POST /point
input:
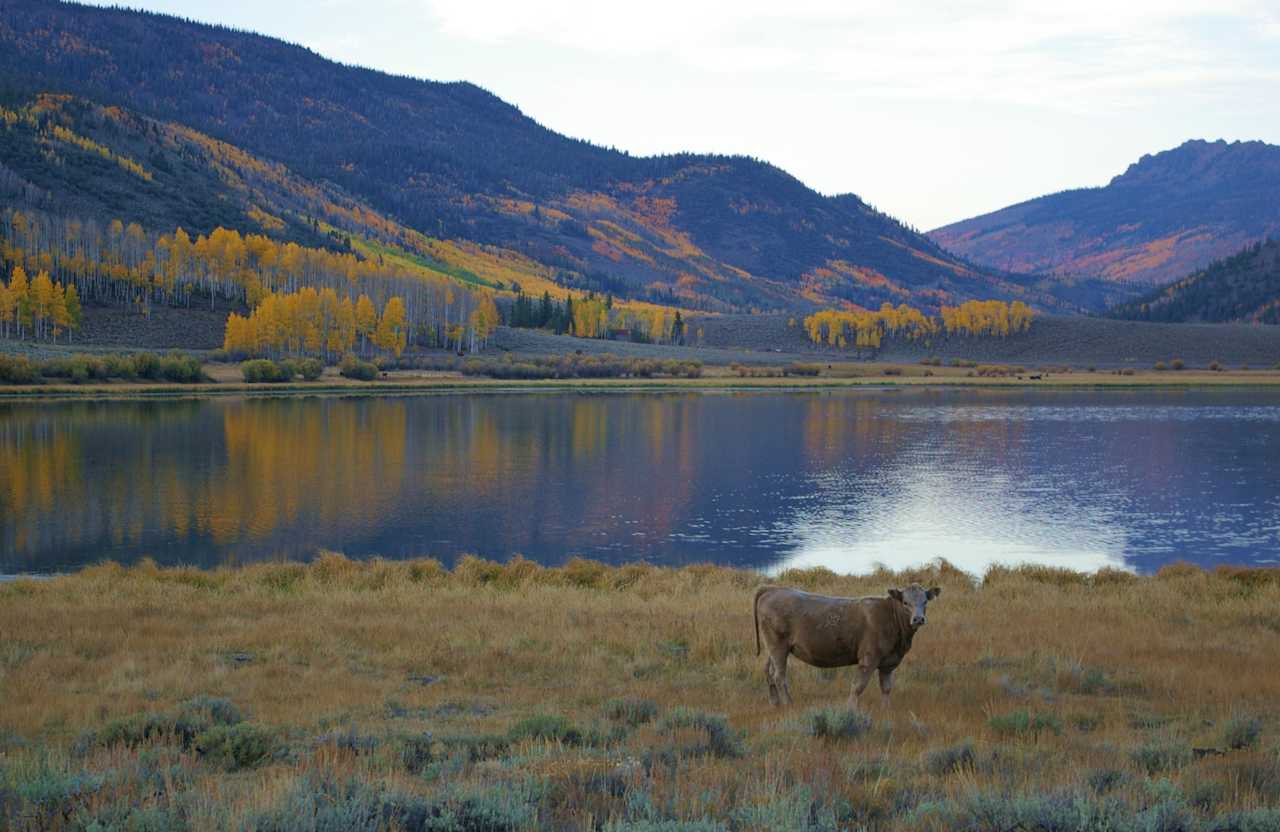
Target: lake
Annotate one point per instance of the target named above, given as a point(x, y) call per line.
point(847, 479)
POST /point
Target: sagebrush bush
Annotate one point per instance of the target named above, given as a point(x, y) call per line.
point(265, 371)
point(550, 727)
point(79, 369)
point(629, 711)
point(1242, 731)
point(353, 368)
point(235, 747)
point(942, 761)
point(310, 368)
point(1161, 755)
point(837, 723)
point(717, 738)
point(18, 370)
point(1024, 722)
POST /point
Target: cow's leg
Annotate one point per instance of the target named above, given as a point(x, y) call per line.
point(778, 656)
point(773, 686)
point(886, 685)
point(862, 678)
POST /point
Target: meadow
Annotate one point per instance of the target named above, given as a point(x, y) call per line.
point(401, 695)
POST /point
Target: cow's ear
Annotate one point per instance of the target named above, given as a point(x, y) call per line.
point(933, 592)
point(896, 594)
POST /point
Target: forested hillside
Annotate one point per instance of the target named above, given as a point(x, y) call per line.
point(1166, 216)
point(1244, 287)
point(448, 161)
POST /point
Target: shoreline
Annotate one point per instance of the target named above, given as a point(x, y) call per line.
point(1240, 380)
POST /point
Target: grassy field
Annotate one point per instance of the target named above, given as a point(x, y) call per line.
point(396, 695)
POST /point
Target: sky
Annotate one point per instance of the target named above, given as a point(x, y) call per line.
point(931, 111)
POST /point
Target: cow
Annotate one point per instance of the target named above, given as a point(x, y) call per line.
point(873, 633)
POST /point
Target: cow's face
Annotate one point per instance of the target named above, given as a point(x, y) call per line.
point(916, 598)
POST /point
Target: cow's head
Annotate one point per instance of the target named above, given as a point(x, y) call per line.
point(916, 598)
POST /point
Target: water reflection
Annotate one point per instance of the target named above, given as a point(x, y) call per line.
point(844, 480)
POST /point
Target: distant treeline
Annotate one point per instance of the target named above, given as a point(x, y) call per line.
point(866, 330)
point(1244, 287)
point(593, 316)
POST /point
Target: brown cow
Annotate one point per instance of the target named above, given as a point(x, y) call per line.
point(826, 631)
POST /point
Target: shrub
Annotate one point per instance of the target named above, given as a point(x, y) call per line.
point(50, 790)
point(837, 723)
point(181, 727)
point(18, 370)
point(123, 367)
point(892, 371)
point(633, 712)
point(236, 747)
point(354, 368)
point(943, 761)
point(265, 371)
point(1161, 366)
point(1103, 780)
point(184, 369)
point(1160, 756)
point(545, 727)
point(802, 369)
point(1178, 364)
point(309, 369)
point(1216, 366)
point(1022, 722)
point(718, 740)
point(1242, 731)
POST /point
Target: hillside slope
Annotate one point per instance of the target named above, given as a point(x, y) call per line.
point(453, 161)
point(1244, 288)
point(1164, 217)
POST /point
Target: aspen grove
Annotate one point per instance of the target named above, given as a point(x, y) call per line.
point(124, 265)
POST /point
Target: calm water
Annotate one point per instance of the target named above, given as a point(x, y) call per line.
point(847, 479)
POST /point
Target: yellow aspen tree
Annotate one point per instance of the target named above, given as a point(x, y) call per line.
point(366, 320)
point(343, 337)
point(41, 301)
point(58, 311)
point(20, 288)
point(8, 310)
point(74, 312)
point(393, 328)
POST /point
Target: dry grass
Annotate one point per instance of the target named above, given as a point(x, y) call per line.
point(396, 694)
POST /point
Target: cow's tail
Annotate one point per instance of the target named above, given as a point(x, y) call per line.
point(755, 612)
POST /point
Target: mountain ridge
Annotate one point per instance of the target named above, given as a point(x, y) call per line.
point(1164, 216)
point(1243, 288)
point(711, 232)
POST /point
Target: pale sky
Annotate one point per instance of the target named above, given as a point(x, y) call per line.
point(932, 111)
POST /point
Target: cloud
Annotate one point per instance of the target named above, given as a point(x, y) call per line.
point(1044, 54)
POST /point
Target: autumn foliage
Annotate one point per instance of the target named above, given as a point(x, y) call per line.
point(865, 330)
point(40, 308)
point(325, 325)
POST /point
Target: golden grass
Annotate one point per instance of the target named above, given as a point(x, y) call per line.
point(1032, 681)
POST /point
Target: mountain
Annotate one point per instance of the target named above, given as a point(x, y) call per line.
point(1242, 288)
point(453, 162)
point(1166, 216)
